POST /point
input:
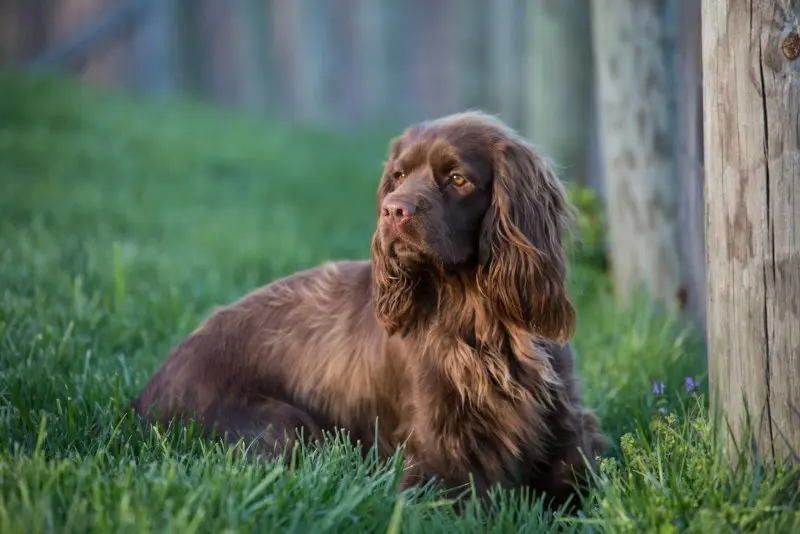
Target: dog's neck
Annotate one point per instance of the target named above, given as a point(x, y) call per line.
point(453, 329)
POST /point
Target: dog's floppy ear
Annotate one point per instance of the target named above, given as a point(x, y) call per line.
point(520, 250)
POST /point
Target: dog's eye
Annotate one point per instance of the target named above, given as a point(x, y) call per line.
point(457, 179)
point(399, 175)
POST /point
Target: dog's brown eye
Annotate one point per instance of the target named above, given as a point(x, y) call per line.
point(457, 179)
point(398, 175)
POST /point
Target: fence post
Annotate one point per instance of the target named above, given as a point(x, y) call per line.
point(751, 76)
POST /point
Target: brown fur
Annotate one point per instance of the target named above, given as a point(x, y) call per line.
point(454, 335)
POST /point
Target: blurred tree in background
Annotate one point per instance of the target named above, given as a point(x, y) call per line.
point(344, 63)
point(634, 50)
point(560, 77)
point(604, 88)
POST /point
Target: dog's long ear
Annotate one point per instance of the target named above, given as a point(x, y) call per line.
point(521, 251)
point(392, 286)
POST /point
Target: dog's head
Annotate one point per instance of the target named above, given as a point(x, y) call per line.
point(465, 194)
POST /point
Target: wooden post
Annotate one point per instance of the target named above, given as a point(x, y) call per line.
point(474, 40)
point(23, 32)
point(370, 59)
point(300, 38)
point(252, 27)
point(90, 37)
point(633, 48)
point(355, 62)
point(558, 96)
point(503, 75)
point(751, 98)
point(152, 48)
point(434, 78)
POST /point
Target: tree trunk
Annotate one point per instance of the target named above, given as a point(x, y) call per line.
point(632, 44)
point(751, 71)
point(559, 82)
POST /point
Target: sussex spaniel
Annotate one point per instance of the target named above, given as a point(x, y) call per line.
point(453, 337)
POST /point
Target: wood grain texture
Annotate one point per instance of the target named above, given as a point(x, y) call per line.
point(633, 48)
point(752, 196)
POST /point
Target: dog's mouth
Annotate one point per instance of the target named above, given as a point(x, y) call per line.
point(403, 251)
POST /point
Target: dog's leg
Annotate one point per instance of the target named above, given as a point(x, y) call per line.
point(570, 471)
point(268, 427)
point(211, 378)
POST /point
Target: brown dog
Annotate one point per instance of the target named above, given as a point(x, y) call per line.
point(454, 335)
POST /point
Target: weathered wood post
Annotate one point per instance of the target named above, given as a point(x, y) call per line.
point(633, 56)
point(559, 72)
point(751, 96)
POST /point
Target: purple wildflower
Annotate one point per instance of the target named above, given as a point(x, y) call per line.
point(658, 388)
point(691, 384)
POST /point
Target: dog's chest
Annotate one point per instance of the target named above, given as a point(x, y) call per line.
point(472, 409)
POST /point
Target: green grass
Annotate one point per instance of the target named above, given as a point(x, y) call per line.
point(125, 222)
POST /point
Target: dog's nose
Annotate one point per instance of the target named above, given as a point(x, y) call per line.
point(397, 211)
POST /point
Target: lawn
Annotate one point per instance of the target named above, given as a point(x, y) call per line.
point(125, 222)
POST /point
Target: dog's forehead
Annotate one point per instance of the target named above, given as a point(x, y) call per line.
point(463, 133)
point(439, 143)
